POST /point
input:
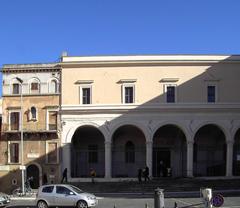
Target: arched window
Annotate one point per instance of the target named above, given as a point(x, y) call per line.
point(33, 113)
point(53, 86)
point(15, 87)
point(35, 86)
point(129, 152)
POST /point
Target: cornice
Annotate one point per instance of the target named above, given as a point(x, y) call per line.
point(153, 108)
point(16, 68)
point(147, 60)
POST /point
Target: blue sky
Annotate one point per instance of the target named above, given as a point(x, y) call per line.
point(33, 31)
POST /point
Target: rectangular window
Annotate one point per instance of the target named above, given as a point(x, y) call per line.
point(14, 152)
point(92, 154)
point(15, 88)
point(86, 95)
point(52, 153)
point(170, 94)
point(14, 120)
point(128, 94)
point(211, 90)
point(52, 120)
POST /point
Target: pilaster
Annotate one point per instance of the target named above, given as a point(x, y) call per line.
point(149, 151)
point(229, 162)
point(108, 159)
point(189, 158)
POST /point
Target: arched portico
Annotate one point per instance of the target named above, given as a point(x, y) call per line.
point(128, 151)
point(87, 152)
point(236, 154)
point(169, 151)
point(209, 157)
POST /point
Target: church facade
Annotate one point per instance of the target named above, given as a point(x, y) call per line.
point(178, 115)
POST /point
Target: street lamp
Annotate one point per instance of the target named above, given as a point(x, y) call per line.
point(22, 162)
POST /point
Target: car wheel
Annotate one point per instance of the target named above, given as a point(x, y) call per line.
point(82, 204)
point(42, 204)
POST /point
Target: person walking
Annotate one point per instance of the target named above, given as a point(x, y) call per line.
point(140, 175)
point(146, 174)
point(64, 176)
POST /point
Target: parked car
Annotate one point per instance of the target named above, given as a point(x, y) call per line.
point(64, 195)
point(4, 199)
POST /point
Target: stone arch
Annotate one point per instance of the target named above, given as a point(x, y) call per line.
point(169, 156)
point(126, 162)
point(209, 158)
point(138, 125)
point(72, 130)
point(87, 149)
point(174, 123)
point(217, 124)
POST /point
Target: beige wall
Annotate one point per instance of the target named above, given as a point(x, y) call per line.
point(39, 102)
point(193, 79)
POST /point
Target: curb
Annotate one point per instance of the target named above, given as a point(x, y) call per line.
point(147, 194)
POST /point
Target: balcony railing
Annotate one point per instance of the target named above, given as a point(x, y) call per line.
point(31, 127)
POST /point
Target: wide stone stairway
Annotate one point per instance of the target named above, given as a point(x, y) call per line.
point(168, 184)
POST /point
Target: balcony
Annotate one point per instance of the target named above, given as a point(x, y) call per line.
point(31, 127)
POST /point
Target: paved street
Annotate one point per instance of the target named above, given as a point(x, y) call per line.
point(139, 202)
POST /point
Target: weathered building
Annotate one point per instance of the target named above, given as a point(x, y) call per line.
point(30, 106)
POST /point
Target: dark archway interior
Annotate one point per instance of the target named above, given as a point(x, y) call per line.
point(33, 172)
point(169, 152)
point(209, 152)
point(236, 154)
point(128, 151)
point(87, 152)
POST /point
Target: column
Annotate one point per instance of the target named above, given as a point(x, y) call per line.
point(66, 159)
point(108, 160)
point(189, 158)
point(149, 156)
point(229, 158)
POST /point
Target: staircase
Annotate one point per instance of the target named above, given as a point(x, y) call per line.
point(168, 184)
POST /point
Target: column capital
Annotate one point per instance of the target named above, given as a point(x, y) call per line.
point(190, 142)
point(149, 142)
point(107, 142)
point(230, 142)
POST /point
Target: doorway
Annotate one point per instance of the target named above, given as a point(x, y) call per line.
point(33, 171)
point(161, 161)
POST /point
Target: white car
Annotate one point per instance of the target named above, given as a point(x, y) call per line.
point(64, 195)
point(4, 200)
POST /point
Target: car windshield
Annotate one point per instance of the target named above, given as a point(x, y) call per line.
point(77, 189)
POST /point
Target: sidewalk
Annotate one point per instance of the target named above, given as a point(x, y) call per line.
point(177, 194)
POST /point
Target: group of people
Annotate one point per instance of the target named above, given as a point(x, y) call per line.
point(143, 173)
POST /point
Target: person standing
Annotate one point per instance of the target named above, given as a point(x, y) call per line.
point(161, 168)
point(93, 174)
point(45, 180)
point(64, 176)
